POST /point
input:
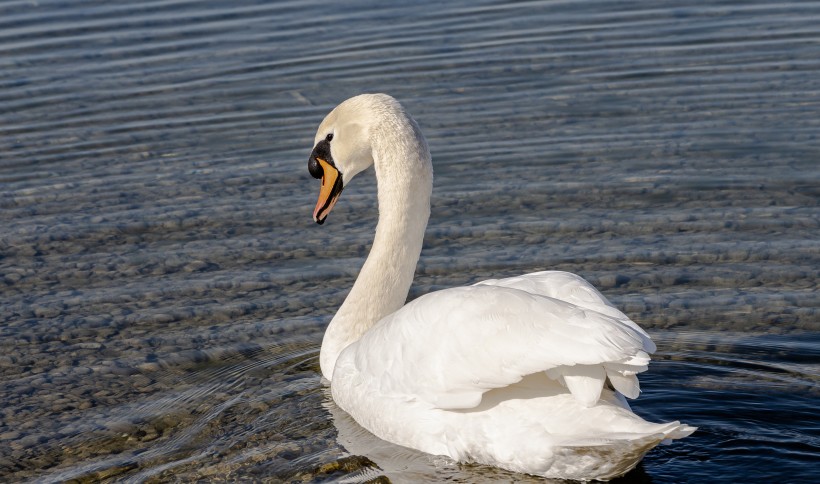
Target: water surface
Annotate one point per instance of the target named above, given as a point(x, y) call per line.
point(164, 289)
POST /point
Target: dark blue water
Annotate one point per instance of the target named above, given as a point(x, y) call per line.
point(163, 289)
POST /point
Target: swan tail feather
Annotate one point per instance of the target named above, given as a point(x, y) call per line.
point(677, 430)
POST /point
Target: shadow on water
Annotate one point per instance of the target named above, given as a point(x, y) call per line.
point(163, 290)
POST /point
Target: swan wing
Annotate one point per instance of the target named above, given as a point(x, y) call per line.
point(573, 289)
point(449, 347)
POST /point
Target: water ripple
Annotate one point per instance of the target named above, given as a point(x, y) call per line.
point(164, 289)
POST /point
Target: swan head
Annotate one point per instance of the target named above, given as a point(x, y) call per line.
point(342, 147)
point(367, 130)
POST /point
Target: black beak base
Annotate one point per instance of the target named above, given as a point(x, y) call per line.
point(321, 150)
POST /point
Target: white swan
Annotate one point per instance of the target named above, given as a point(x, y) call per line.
point(525, 373)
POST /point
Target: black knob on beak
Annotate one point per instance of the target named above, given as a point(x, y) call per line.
point(320, 152)
point(315, 168)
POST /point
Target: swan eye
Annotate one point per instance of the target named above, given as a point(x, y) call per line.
point(329, 137)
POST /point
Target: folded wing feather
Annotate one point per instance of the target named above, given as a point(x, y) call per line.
point(449, 347)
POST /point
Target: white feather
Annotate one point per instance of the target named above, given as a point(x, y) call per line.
point(508, 372)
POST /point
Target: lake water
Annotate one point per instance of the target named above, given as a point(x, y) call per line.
point(164, 289)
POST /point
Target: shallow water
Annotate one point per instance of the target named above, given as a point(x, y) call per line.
point(164, 289)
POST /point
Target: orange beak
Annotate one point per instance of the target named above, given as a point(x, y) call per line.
point(330, 191)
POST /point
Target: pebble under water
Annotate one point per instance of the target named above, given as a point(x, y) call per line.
point(164, 290)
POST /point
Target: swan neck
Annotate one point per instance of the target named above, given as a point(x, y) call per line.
point(405, 179)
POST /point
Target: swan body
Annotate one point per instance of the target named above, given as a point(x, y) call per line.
point(527, 373)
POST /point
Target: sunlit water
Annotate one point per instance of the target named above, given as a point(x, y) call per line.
point(164, 289)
